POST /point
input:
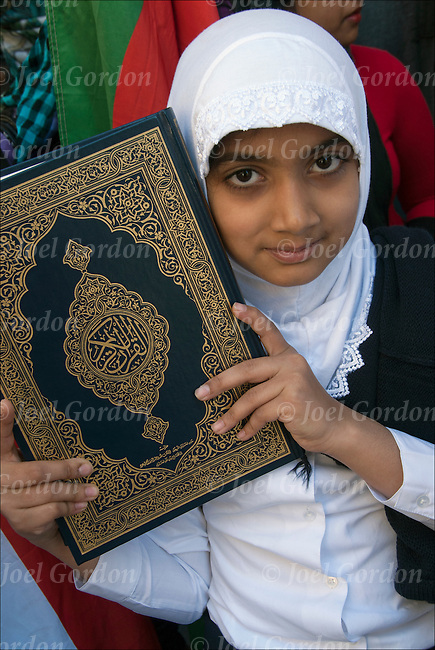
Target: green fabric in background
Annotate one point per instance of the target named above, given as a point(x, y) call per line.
point(88, 40)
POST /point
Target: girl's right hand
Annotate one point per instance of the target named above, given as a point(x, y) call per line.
point(35, 493)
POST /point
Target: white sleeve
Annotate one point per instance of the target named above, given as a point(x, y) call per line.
point(164, 573)
point(415, 497)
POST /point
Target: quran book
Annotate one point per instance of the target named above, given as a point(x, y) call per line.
point(116, 295)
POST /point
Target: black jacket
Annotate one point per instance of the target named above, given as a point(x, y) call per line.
point(396, 384)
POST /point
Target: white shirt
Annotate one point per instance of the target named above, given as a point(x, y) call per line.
point(283, 565)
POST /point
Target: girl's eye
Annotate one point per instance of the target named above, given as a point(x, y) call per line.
point(244, 177)
point(329, 163)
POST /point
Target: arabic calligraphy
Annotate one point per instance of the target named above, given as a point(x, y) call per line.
point(117, 344)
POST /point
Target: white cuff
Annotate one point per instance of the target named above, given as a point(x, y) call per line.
point(415, 497)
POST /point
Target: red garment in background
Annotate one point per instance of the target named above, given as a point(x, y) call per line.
point(163, 31)
point(406, 127)
point(92, 623)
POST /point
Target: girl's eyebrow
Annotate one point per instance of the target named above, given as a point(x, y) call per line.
point(231, 156)
point(331, 143)
point(237, 153)
point(246, 160)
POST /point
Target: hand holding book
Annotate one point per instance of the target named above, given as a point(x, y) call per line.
point(115, 273)
point(36, 493)
point(284, 388)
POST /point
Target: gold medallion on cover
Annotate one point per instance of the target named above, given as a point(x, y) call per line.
point(116, 343)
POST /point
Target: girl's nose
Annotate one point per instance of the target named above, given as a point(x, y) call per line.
point(293, 209)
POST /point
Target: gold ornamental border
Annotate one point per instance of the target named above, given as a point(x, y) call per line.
point(134, 187)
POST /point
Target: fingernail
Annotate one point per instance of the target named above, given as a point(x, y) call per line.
point(85, 469)
point(239, 307)
point(78, 507)
point(4, 412)
point(202, 391)
point(217, 426)
point(91, 491)
point(242, 434)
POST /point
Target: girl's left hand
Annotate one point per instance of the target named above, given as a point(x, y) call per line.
point(285, 389)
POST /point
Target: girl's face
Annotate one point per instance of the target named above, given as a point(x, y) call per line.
point(284, 199)
point(340, 18)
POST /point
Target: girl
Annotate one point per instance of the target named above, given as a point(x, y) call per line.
point(274, 116)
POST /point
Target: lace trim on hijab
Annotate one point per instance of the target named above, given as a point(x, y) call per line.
point(351, 358)
point(272, 105)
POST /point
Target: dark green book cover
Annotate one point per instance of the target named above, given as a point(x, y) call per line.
point(116, 297)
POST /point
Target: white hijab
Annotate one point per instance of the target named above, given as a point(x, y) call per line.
point(265, 68)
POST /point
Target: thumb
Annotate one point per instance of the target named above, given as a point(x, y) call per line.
point(8, 450)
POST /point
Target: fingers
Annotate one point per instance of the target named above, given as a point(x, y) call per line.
point(40, 520)
point(25, 485)
point(8, 449)
point(270, 375)
point(261, 416)
point(53, 500)
point(276, 380)
point(39, 474)
point(261, 403)
point(43, 471)
point(258, 403)
point(252, 371)
point(52, 493)
point(36, 493)
point(269, 334)
point(32, 500)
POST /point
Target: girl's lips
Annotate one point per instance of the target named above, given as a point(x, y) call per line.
point(293, 256)
point(355, 17)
